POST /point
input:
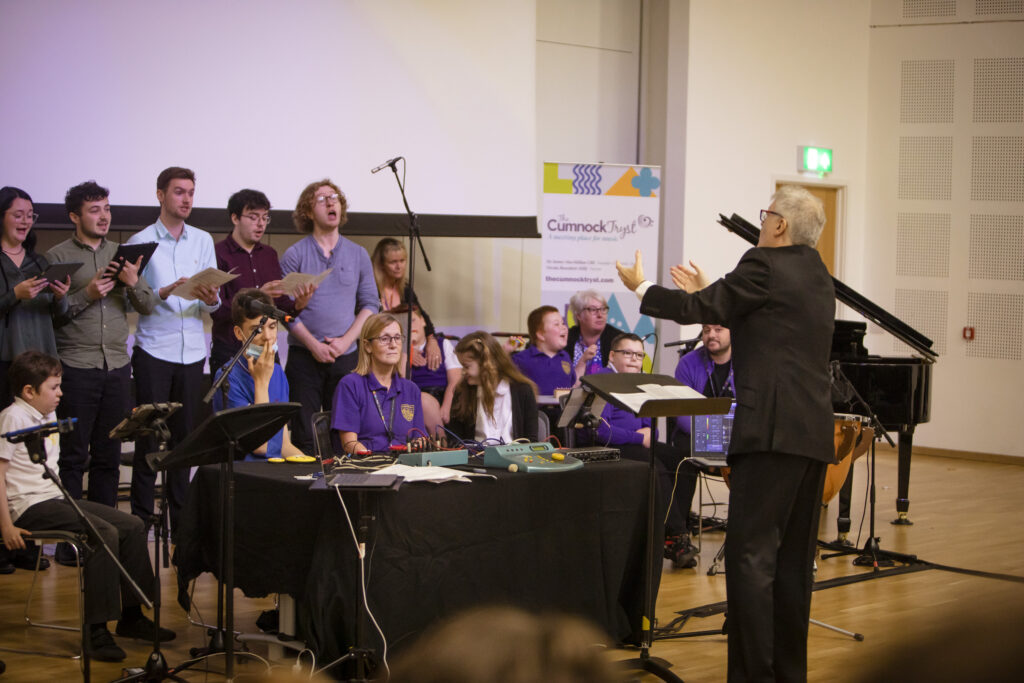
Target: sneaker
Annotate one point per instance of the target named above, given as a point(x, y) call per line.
point(102, 647)
point(65, 554)
point(141, 628)
point(684, 555)
point(671, 541)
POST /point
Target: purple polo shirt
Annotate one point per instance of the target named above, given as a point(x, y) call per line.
point(356, 411)
point(348, 289)
point(254, 269)
point(547, 372)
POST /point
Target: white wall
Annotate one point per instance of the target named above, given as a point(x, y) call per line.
point(273, 95)
point(973, 407)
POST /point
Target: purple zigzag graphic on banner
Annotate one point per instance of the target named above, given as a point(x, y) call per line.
point(586, 179)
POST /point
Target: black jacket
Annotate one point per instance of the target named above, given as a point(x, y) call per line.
point(607, 335)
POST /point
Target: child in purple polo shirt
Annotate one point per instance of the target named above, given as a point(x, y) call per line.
point(545, 360)
point(437, 387)
point(374, 408)
point(620, 427)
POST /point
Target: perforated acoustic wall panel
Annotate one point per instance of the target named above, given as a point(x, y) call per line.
point(999, 90)
point(926, 167)
point(926, 311)
point(926, 91)
point(997, 247)
point(922, 244)
point(997, 168)
point(998, 7)
point(918, 9)
point(998, 320)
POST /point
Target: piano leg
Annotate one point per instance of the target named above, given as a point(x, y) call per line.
point(905, 440)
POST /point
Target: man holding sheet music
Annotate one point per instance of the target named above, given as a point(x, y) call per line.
point(170, 344)
point(779, 304)
point(256, 265)
point(323, 341)
point(92, 341)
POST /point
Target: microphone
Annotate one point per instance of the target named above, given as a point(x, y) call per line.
point(254, 307)
point(389, 162)
point(60, 426)
point(648, 336)
point(681, 342)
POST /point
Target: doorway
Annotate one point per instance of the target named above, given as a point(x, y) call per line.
point(829, 196)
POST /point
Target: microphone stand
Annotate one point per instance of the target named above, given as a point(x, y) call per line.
point(871, 555)
point(414, 239)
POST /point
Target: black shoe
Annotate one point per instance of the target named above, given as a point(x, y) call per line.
point(26, 559)
point(141, 628)
point(6, 566)
point(102, 647)
point(671, 541)
point(65, 554)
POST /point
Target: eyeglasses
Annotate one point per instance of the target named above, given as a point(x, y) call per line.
point(321, 198)
point(389, 339)
point(20, 216)
point(258, 219)
point(766, 212)
point(637, 355)
point(594, 310)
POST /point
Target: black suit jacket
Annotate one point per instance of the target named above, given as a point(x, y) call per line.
point(779, 305)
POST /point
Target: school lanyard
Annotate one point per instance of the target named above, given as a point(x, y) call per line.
point(380, 411)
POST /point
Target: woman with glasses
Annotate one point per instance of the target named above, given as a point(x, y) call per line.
point(374, 408)
point(27, 304)
point(494, 401)
point(617, 427)
point(590, 339)
point(390, 260)
point(27, 301)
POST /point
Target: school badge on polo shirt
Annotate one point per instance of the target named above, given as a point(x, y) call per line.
point(408, 411)
point(565, 366)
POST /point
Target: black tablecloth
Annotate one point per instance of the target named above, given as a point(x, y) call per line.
point(570, 541)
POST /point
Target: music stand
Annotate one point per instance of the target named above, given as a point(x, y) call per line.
point(665, 397)
point(223, 438)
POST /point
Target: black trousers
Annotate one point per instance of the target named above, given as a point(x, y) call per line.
point(159, 381)
point(99, 398)
point(774, 506)
point(106, 593)
point(312, 384)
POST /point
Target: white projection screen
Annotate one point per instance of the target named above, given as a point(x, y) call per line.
point(272, 95)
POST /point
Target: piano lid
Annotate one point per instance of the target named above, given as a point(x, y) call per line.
point(867, 308)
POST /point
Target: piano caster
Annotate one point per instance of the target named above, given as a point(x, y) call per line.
point(902, 519)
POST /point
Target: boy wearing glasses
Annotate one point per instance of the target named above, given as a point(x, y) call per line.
point(322, 342)
point(257, 378)
point(255, 263)
point(621, 428)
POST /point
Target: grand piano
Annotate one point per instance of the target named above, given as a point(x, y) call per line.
point(898, 389)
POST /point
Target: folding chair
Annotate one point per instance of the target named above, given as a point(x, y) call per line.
point(77, 543)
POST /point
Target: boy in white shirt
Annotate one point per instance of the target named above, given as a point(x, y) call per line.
point(35, 503)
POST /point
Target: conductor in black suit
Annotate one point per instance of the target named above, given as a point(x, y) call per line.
point(779, 304)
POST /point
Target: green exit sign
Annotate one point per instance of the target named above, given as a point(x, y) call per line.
point(814, 160)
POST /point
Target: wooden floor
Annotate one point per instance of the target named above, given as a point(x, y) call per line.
point(966, 514)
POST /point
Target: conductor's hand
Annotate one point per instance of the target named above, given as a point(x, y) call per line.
point(631, 276)
point(690, 279)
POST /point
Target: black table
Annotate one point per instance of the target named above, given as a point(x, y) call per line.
point(570, 542)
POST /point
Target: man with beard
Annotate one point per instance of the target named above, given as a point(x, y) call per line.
point(322, 342)
point(170, 343)
point(92, 343)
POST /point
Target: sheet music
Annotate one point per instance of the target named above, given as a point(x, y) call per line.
point(211, 276)
point(426, 473)
point(635, 400)
point(291, 282)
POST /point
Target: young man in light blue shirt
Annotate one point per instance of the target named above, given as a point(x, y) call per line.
point(323, 341)
point(170, 345)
